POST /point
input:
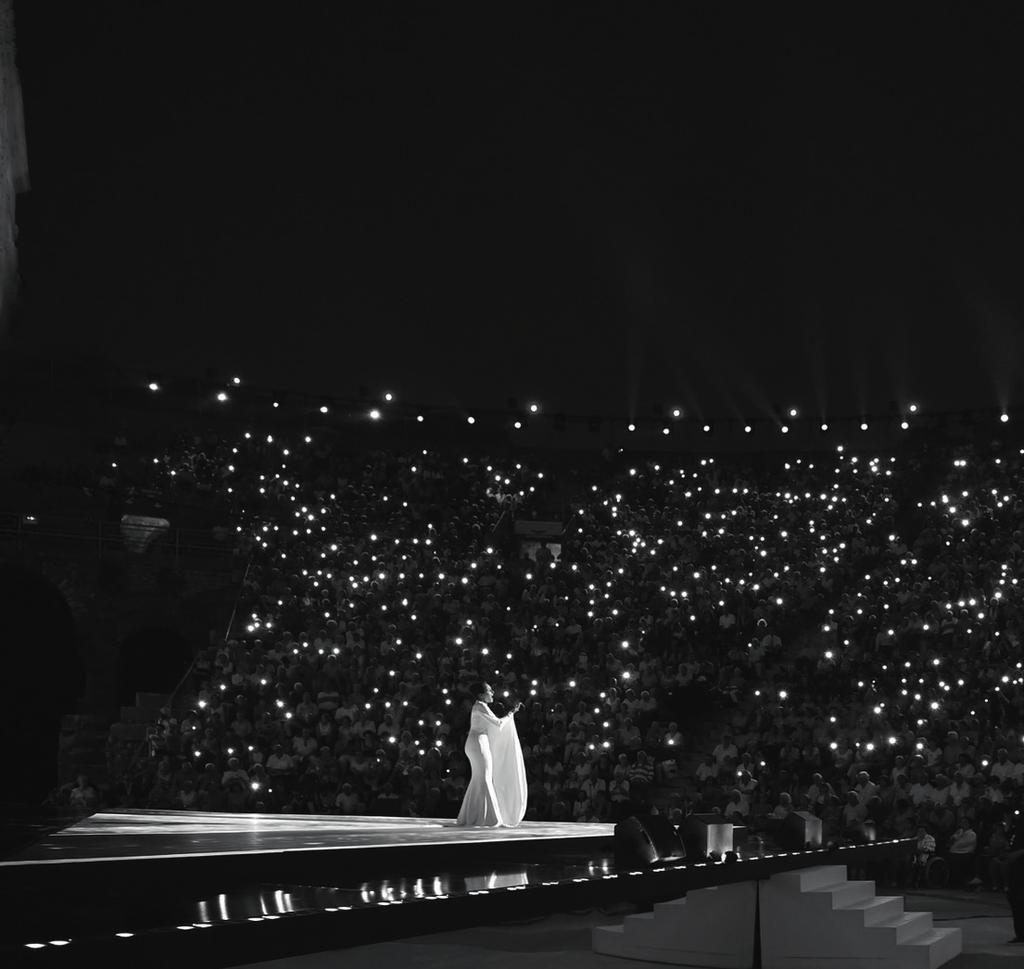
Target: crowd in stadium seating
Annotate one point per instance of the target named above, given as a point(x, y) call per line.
point(854, 621)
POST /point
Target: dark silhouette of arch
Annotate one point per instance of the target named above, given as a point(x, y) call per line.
point(45, 677)
point(152, 659)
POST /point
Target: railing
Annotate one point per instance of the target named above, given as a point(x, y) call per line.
point(30, 530)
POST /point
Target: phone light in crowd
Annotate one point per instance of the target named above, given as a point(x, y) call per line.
point(1004, 417)
point(374, 414)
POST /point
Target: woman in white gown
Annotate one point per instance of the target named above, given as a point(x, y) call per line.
point(496, 795)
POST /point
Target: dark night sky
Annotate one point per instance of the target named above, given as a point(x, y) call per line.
point(600, 205)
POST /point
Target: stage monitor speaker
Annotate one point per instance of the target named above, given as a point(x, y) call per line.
point(800, 830)
point(707, 834)
point(666, 839)
point(634, 846)
point(641, 841)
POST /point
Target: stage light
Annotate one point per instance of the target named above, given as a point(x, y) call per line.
point(374, 414)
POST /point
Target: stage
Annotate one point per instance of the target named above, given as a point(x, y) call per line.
point(167, 887)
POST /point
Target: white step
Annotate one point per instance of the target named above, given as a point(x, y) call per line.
point(610, 940)
point(931, 950)
point(848, 893)
point(908, 927)
point(808, 879)
point(709, 927)
point(881, 908)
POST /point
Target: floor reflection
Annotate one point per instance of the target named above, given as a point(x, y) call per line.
point(172, 905)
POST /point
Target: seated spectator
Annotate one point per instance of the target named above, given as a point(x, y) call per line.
point(962, 850)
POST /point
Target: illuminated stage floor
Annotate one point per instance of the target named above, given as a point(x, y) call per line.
point(137, 835)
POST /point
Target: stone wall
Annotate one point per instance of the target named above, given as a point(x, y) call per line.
point(13, 159)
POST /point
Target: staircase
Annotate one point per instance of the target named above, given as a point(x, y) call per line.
point(815, 916)
point(84, 738)
point(710, 927)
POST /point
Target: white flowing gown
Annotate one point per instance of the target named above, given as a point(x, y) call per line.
point(496, 795)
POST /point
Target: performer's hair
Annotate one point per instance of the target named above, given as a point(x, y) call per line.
point(478, 688)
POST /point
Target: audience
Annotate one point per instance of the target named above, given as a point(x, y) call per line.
point(848, 626)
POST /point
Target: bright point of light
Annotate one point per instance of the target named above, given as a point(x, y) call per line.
point(323, 408)
point(222, 397)
point(375, 414)
point(863, 425)
point(154, 386)
point(824, 427)
point(747, 429)
point(793, 412)
point(1004, 417)
point(631, 427)
point(534, 408)
point(676, 412)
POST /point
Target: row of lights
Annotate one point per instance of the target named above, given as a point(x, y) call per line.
point(375, 413)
